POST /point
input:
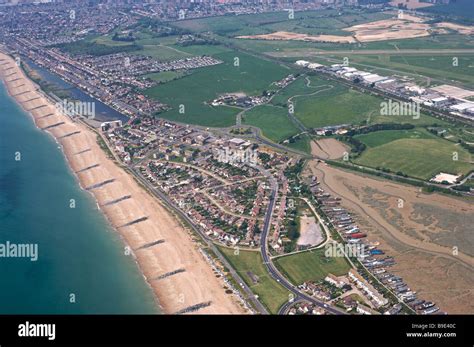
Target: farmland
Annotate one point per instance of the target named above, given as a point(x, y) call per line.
point(249, 265)
point(252, 76)
point(311, 266)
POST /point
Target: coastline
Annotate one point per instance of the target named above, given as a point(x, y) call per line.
point(107, 182)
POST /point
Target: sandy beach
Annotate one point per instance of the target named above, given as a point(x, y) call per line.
point(176, 270)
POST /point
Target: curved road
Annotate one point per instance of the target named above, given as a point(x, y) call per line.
point(273, 271)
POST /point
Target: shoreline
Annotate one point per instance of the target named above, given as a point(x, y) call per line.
point(197, 284)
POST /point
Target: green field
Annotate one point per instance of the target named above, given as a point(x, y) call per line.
point(416, 157)
point(252, 76)
point(302, 143)
point(311, 266)
point(162, 53)
point(326, 102)
point(166, 76)
point(270, 293)
point(272, 120)
point(310, 22)
point(379, 138)
point(334, 104)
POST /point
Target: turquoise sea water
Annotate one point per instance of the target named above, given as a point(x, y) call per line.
point(78, 252)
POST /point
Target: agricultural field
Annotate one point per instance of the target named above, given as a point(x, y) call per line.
point(249, 265)
point(421, 157)
point(311, 266)
point(272, 120)
point(252, 76)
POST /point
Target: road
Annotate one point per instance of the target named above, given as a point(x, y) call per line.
point(272, 270)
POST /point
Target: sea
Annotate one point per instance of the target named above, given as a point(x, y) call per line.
point(81, 264)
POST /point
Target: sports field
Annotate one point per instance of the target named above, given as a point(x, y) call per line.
point(249, 265)
point(272, 120)
point(311, 266)
point(421, 158)
point(252, 76)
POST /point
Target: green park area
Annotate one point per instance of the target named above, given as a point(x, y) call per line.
point(249, 265)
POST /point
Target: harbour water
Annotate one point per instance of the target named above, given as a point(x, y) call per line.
point(81, 266)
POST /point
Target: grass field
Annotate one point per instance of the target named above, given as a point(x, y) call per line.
point(302, 144)
point(421, 158)
point(160, 48)
point(334, 104)
point(162, 53)
point(379, 138)
point(166, 76)
point(270, 293)
point(325, 102)
point(272, 120)
point(311, 266)
point(311, 22)
point(252, 76)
